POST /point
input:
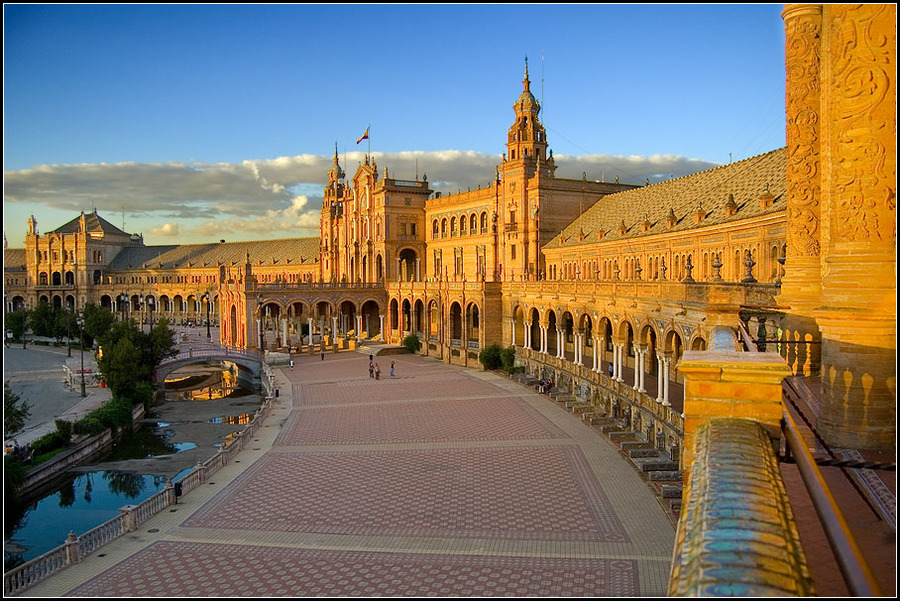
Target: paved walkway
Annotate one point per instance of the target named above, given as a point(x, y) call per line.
point(441, 481)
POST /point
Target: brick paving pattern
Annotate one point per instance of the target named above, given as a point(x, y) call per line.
point(440, 482)
point(190, 569)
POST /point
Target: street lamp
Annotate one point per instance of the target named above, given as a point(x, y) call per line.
point(81, 330)
point(150, 306)
point(260, 322)
point(208, 335)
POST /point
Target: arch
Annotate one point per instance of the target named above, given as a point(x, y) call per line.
point(452, 227)
point(434, 320)
point(648, 338)
point(70, 278)
point(455, 323)
point(418, 316)
point(394, 315)
point(371, 319)
point(552, 335)
point(406, 320)
point(462, 225)
point(42, 279)
point(379, 267)
point(473, 224)
point(435, 229)
point(408, 264)
point(535, 325)
point(444, 227)
point(56, 278)
point(347, 317)
point(473, 323)
point(484, 221)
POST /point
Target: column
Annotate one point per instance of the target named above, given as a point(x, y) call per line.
point(381, 327)
point(284, 335)
point(358, 326)
point(621, 377)
point(659, 379)
point(666, 382)
point(310, 321)
point(512, 323)
point(615, 361)
point(643, 355)
point(638, 355)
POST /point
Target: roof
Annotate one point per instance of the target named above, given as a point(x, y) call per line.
point(93, 223)
point(289, 251)
point(14, 259)
point(708, 191)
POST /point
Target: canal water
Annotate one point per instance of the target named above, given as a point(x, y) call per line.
point(205, 406)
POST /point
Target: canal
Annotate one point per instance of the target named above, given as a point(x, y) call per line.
point(205, 406)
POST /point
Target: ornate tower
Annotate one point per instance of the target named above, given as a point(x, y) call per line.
point(525, 167)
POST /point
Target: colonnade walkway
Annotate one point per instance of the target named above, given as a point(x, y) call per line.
point(439, 481)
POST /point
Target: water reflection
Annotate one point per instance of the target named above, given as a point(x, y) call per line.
point(203, 385)
point(82, 502)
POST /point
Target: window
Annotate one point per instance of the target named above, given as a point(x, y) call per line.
point(412, 229)
point(512, 252)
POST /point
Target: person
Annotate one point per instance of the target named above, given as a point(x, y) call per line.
point(392, 369)
point(323, 353)
point(371, 369)
point(610, 370)
point(377, 372)
point(292, 364)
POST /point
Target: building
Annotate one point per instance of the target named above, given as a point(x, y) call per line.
point(592, 280)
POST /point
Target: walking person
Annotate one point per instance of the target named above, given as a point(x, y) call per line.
point(292, 364)
point(392, 369)
point(377, 372)
point(371, 369)
point(323, 353)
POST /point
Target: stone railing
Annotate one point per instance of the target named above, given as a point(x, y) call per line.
point(610, 397)
point(737, 536)
point(131, 516)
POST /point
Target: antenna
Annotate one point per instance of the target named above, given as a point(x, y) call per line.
point(542, 86)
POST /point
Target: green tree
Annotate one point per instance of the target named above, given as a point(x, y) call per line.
point(97, 322)
point(121, 366)
point(17, 322)
point(412, 344)
point(43, 320)
point(130, 356)
point(66, 324)
point(15, 411)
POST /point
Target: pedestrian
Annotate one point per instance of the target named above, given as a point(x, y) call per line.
point(292, 364)
point(392, 369)
point(371, 369)
point(323, 353)
point(377, 372)
point(610, 370)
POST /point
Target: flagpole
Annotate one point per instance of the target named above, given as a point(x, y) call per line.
point(369, 140)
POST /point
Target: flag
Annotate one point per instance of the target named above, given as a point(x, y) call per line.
point(365, 136)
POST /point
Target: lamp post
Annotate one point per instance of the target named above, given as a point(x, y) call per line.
point(151, 304)
point(69, 334)
point(208, 335)
point(260, 322)
point(81, 331)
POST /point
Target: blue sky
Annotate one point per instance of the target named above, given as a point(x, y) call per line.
point(202, 122)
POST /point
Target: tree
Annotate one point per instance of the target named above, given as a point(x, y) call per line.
point(131, 357)
point(17, 322)
point(14, 412)
point(97, 322)
point(43, 320)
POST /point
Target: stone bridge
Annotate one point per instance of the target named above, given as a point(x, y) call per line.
point(248, 362)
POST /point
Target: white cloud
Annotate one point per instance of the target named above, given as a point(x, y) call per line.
point(253, 198)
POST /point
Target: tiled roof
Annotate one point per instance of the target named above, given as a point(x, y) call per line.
point(14, 259)
point(746, 180)
point(93, 223)
point(289, 251)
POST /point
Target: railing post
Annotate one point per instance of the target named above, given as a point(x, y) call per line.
point(129, 519)
point(73, 552)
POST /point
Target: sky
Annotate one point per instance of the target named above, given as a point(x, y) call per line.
point(197, 123)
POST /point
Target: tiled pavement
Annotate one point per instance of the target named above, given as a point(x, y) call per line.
point(442, 481)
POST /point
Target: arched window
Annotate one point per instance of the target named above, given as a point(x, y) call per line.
point(434, 228)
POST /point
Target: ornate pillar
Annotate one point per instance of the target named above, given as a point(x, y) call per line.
point(666, 361)
point(358, 326)
point(381, 327)
point(857, 312)
point(801, 286)
point(512, 322)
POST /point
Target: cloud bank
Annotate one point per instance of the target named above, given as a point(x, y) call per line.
point(275, 198)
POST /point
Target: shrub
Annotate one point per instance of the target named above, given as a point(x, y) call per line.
point(508, 359)
point(412, 344)
point(490, 356)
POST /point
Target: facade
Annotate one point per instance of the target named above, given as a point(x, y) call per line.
point(796, 247)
